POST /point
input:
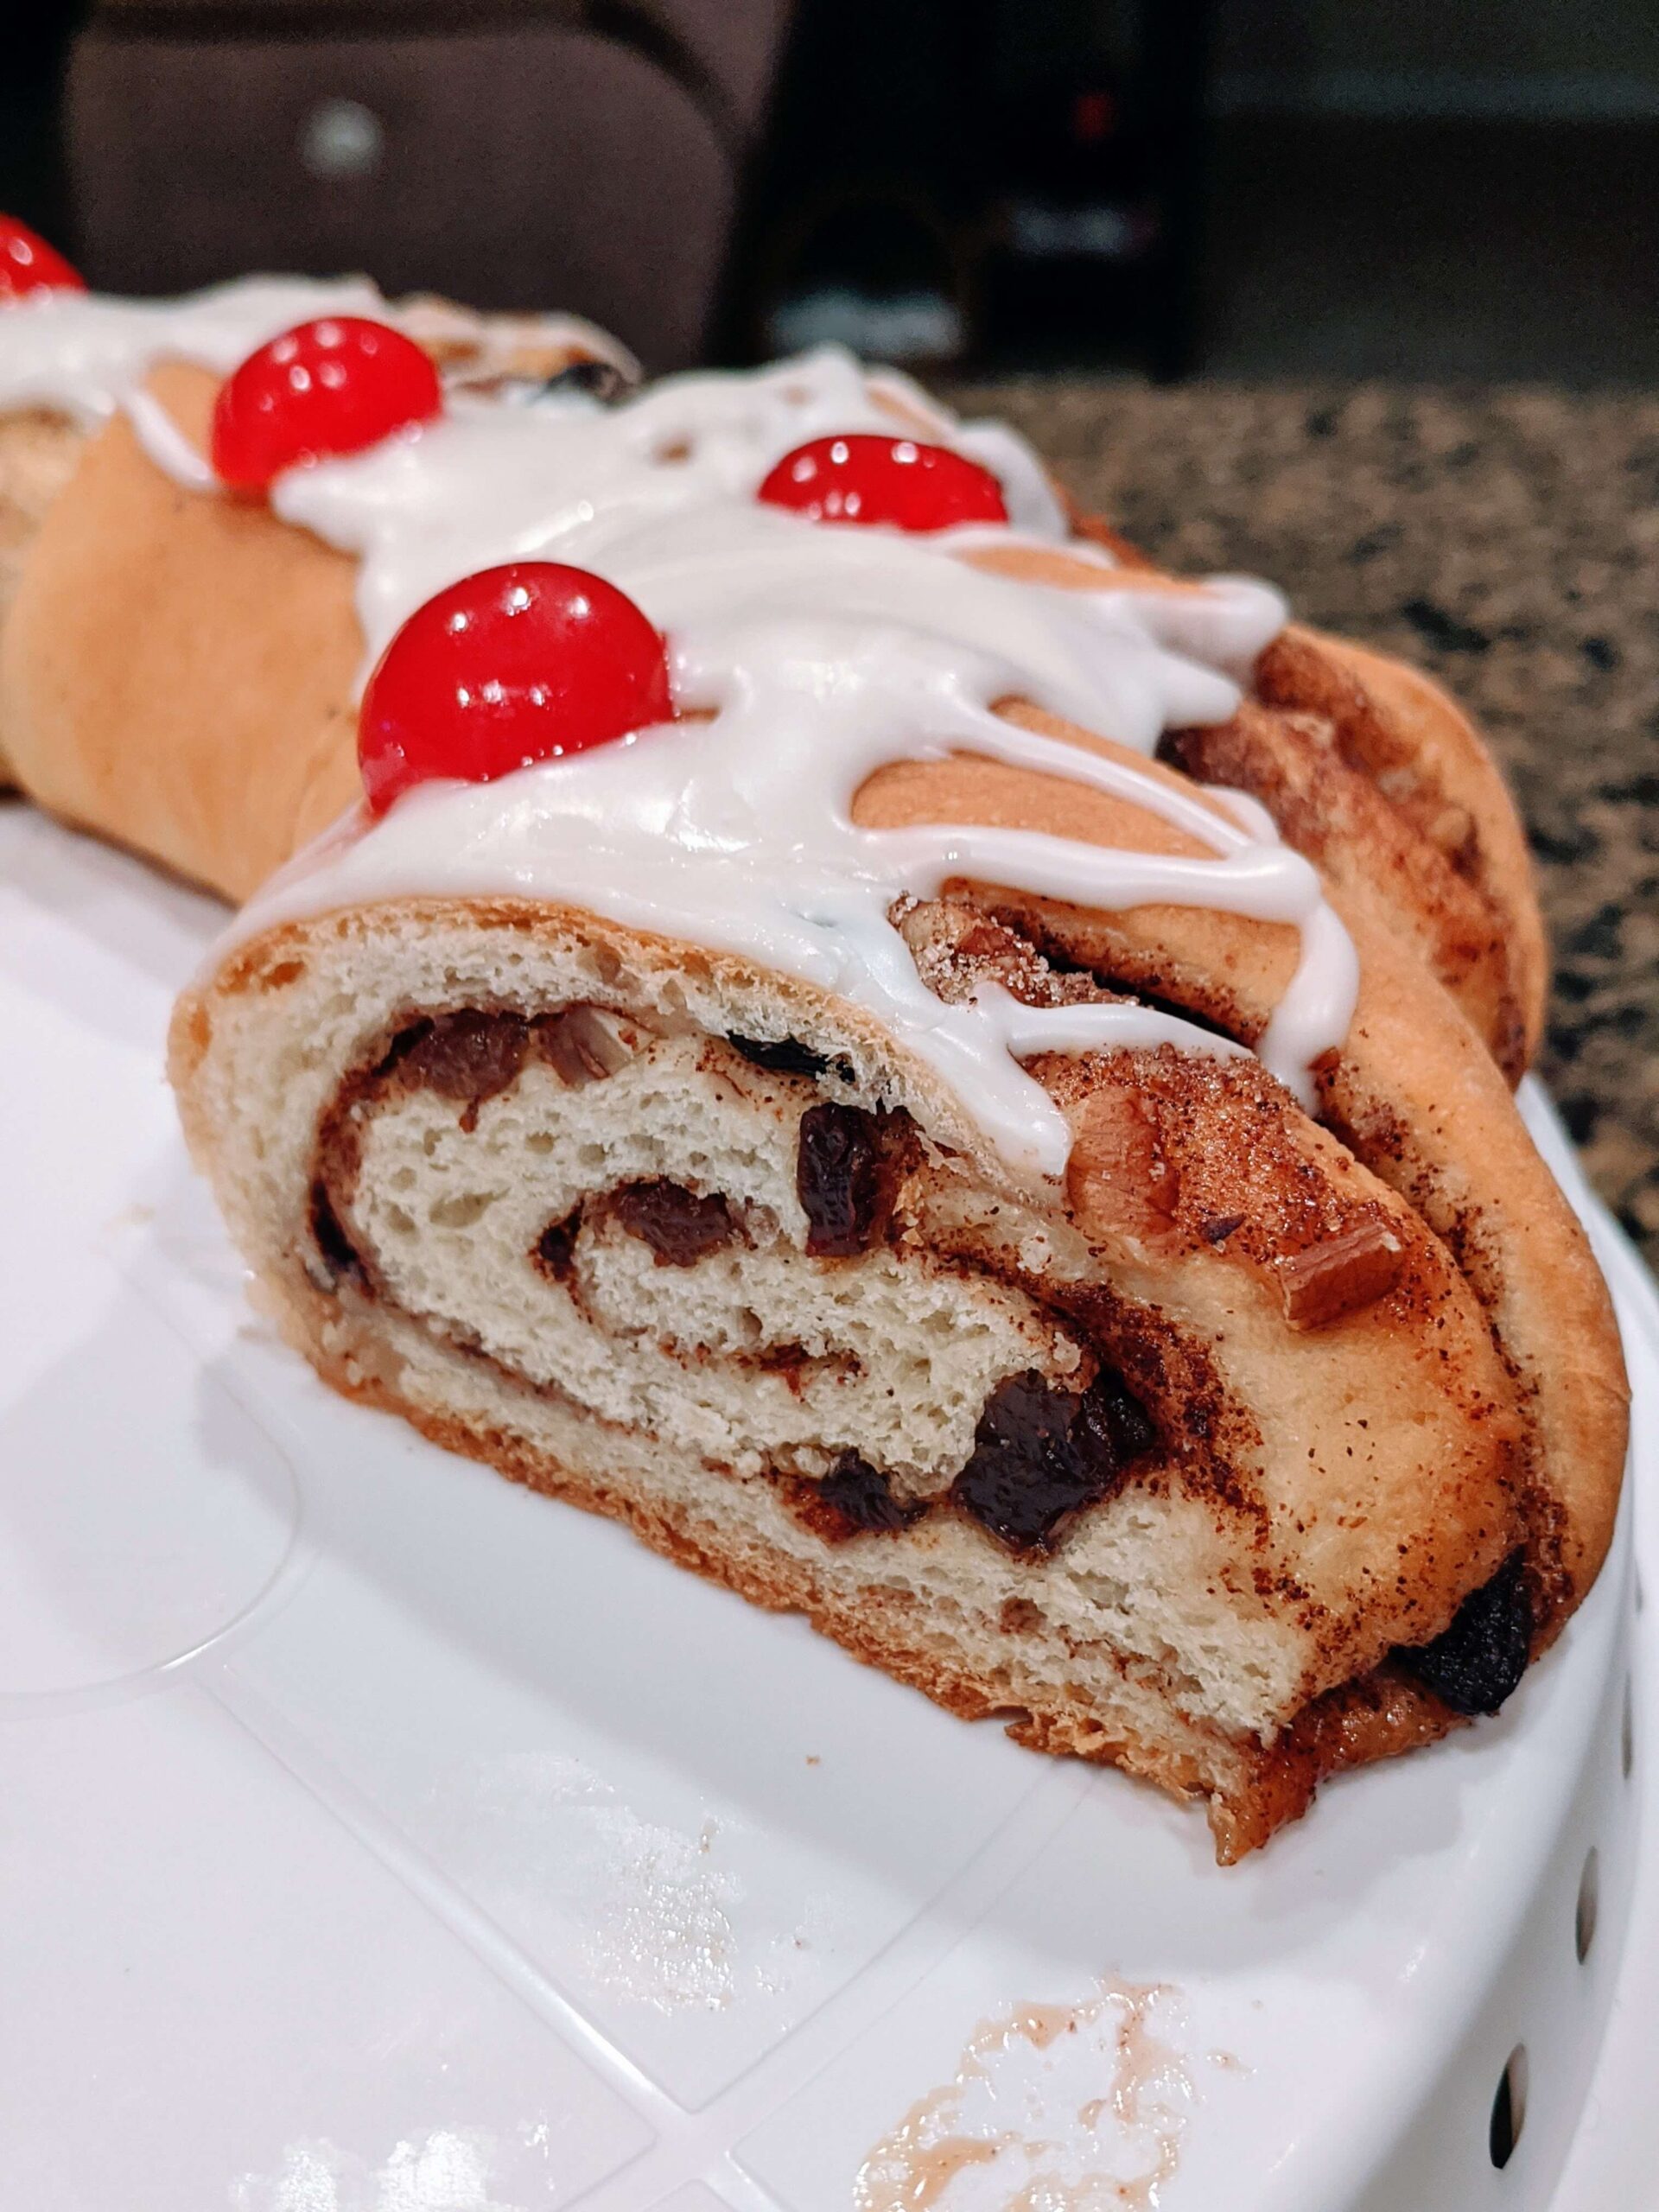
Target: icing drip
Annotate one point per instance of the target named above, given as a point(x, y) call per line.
point(819, 655)
point(657, 495)
point(737, 834)
point(86, 354)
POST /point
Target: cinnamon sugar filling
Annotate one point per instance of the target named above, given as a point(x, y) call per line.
point(1049, 1438)
point(1044, 1446)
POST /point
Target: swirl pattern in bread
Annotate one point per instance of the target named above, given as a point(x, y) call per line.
point(1212, 1462)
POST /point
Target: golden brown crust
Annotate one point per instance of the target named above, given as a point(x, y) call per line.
point(1372, 771)
point(151, 687)
point(39, 454)
point(1251, 1794)
point(1365, 846)
point(1422, 754)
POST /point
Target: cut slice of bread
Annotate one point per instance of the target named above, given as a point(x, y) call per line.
point(1214, 1464)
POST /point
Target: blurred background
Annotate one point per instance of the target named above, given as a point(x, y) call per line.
point(1243, 188)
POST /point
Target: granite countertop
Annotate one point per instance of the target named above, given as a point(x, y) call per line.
point(1508, 543)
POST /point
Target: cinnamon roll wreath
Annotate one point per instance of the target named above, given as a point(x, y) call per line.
point(1265, 1418)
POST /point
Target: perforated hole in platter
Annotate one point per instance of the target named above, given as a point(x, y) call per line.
point(1583, 1922)
point(1509, 2107)
point(1627, 1731)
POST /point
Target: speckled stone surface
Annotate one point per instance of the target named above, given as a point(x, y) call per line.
point(1509, 542)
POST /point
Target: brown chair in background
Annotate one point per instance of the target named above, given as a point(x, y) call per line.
point(583, 157)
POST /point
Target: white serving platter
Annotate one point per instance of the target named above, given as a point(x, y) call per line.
point(377, 1837)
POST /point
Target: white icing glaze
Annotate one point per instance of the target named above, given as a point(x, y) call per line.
point(87, 354)
point(820, 654)
point(165, 443)
point(562, 478)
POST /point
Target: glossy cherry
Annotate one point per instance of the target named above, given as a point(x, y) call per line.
point(513, 665)
point(28, 264)
point(322, 389)
point(862, 477)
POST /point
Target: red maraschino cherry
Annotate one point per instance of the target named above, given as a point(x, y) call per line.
point(861, 476)
point(323, 389)
point(28, 264)
point(513, 665)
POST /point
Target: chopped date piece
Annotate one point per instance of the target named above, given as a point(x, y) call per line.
point(1111, 1409)
point(680, 1227)
point(864, 1496)
point(1041, 1455)
point(331, 1240)
point(471, 1055)
point(841, 1180)
point(782, 1055)
point(854, 1499)
point(1475, 1664)
point(1182, 749)
point(556, 1247)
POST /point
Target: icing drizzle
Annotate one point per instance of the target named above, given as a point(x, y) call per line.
point(817, 655)
point(88, 354)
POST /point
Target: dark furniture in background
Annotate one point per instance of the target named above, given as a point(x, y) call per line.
point(1052, 160)
point(933, 180)
point(584, 156)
